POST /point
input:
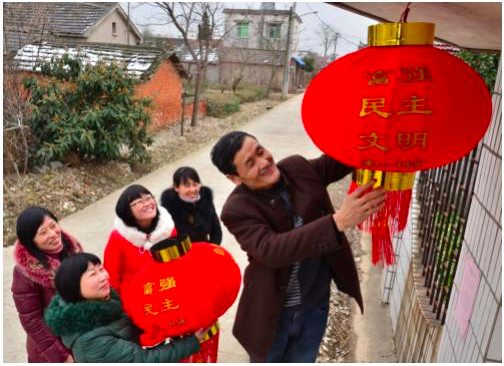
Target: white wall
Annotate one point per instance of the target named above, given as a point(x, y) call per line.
point(103, 32)
point(483, 242)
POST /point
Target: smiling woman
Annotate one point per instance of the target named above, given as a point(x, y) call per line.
point(88, 316)
point(40, 248)
point(140, 223)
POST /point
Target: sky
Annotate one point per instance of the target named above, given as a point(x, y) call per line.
point(352, 27)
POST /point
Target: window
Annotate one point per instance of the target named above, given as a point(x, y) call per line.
point(242, 29)
point(274, 30)
point(114, 29)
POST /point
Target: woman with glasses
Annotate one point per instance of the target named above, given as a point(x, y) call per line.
point(191, 206)
point(41, 246)
point(140, 223)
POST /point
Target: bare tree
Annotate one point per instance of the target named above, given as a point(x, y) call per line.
point(202, 19)
point(23, 24)
point(327, 37)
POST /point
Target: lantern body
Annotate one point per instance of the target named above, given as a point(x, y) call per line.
point(181, 296)
point(397, 108)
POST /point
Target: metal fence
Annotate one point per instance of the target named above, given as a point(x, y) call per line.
point(444, 195)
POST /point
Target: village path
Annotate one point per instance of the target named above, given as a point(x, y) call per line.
point(281, 130)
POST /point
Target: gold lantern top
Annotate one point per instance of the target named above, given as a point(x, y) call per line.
point(397, 34)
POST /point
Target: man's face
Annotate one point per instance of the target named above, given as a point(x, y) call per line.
point(255, 166)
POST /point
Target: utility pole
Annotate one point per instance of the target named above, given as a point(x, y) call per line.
point(285, 85)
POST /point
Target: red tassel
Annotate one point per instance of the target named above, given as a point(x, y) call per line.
point(207, 353)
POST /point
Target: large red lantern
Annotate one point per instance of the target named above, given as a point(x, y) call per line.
point(395, 107)
point(186, 286)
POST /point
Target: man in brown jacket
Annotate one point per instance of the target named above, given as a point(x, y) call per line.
point(282, 216)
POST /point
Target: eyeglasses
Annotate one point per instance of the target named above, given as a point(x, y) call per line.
point(142, 201)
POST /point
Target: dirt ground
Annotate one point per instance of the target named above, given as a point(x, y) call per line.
point(67, 189)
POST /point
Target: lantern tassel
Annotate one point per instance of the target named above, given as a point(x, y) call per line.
point(392, 218)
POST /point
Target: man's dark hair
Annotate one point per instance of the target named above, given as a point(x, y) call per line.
point(225, 149)
point(68, 276)
point(123, 208)
point(27, 225)
point(184, 174)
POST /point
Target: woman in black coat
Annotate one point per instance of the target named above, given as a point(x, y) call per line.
point(191, 206)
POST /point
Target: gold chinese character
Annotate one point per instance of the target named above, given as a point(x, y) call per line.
point(378, 77)
point(168, 305)
point(405, 140)
point(371, 106)
point(148, 288)
point(412, 105)
point(148, 310)
point(414, 74)
point(167, 283)
point(372, 139)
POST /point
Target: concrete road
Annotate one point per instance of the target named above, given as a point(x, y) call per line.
point(280, 129)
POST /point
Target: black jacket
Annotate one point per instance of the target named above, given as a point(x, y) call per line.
point(199, 220)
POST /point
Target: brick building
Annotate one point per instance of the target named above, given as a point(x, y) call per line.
point(160, 73)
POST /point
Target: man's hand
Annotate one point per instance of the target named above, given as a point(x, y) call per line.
point(356, 209)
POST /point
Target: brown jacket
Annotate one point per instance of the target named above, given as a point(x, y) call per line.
point(264, 230)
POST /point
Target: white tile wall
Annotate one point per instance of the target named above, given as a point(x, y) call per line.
point(483, 240)
point(495, 347)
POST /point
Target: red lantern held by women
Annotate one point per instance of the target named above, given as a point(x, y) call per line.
point(186, 286)
point(395, 107)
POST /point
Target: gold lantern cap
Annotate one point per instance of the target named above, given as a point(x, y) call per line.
point(397, 34)
point(171, 248)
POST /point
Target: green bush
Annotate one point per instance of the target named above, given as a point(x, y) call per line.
point(250, 94)
point(222, 105)
point(88, 111)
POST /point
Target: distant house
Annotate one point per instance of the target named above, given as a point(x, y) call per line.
point(160, 73)
point(177, 46)
point(255, 44)
point(35, 22)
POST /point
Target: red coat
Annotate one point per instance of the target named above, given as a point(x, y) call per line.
point(127, 250)
point(32, 290)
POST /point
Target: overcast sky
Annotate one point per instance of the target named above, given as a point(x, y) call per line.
point(352, 27)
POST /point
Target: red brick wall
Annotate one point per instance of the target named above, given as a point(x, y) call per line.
point(165, 90)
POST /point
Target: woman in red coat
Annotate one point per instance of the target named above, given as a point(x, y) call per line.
point(38, 252)
point(140, 223)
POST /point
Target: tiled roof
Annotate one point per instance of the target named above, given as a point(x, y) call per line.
point(178, 46)
point(140, 62)
point(42, 21)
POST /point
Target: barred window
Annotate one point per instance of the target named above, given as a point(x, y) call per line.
point(274, 30)
point(444, 195)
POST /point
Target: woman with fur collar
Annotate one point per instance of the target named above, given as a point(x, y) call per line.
point(140, 223)
point(88, 315)
point(38, 252)
point(191, 206)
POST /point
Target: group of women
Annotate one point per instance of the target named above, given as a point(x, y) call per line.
point(69, 304)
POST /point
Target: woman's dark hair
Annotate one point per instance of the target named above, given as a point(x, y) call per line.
point(27, 225)
point(225, 149)
point(184, 174)
point(68, 276)
point(123, 208)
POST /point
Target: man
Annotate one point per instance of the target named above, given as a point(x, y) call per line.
point(282, 216)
